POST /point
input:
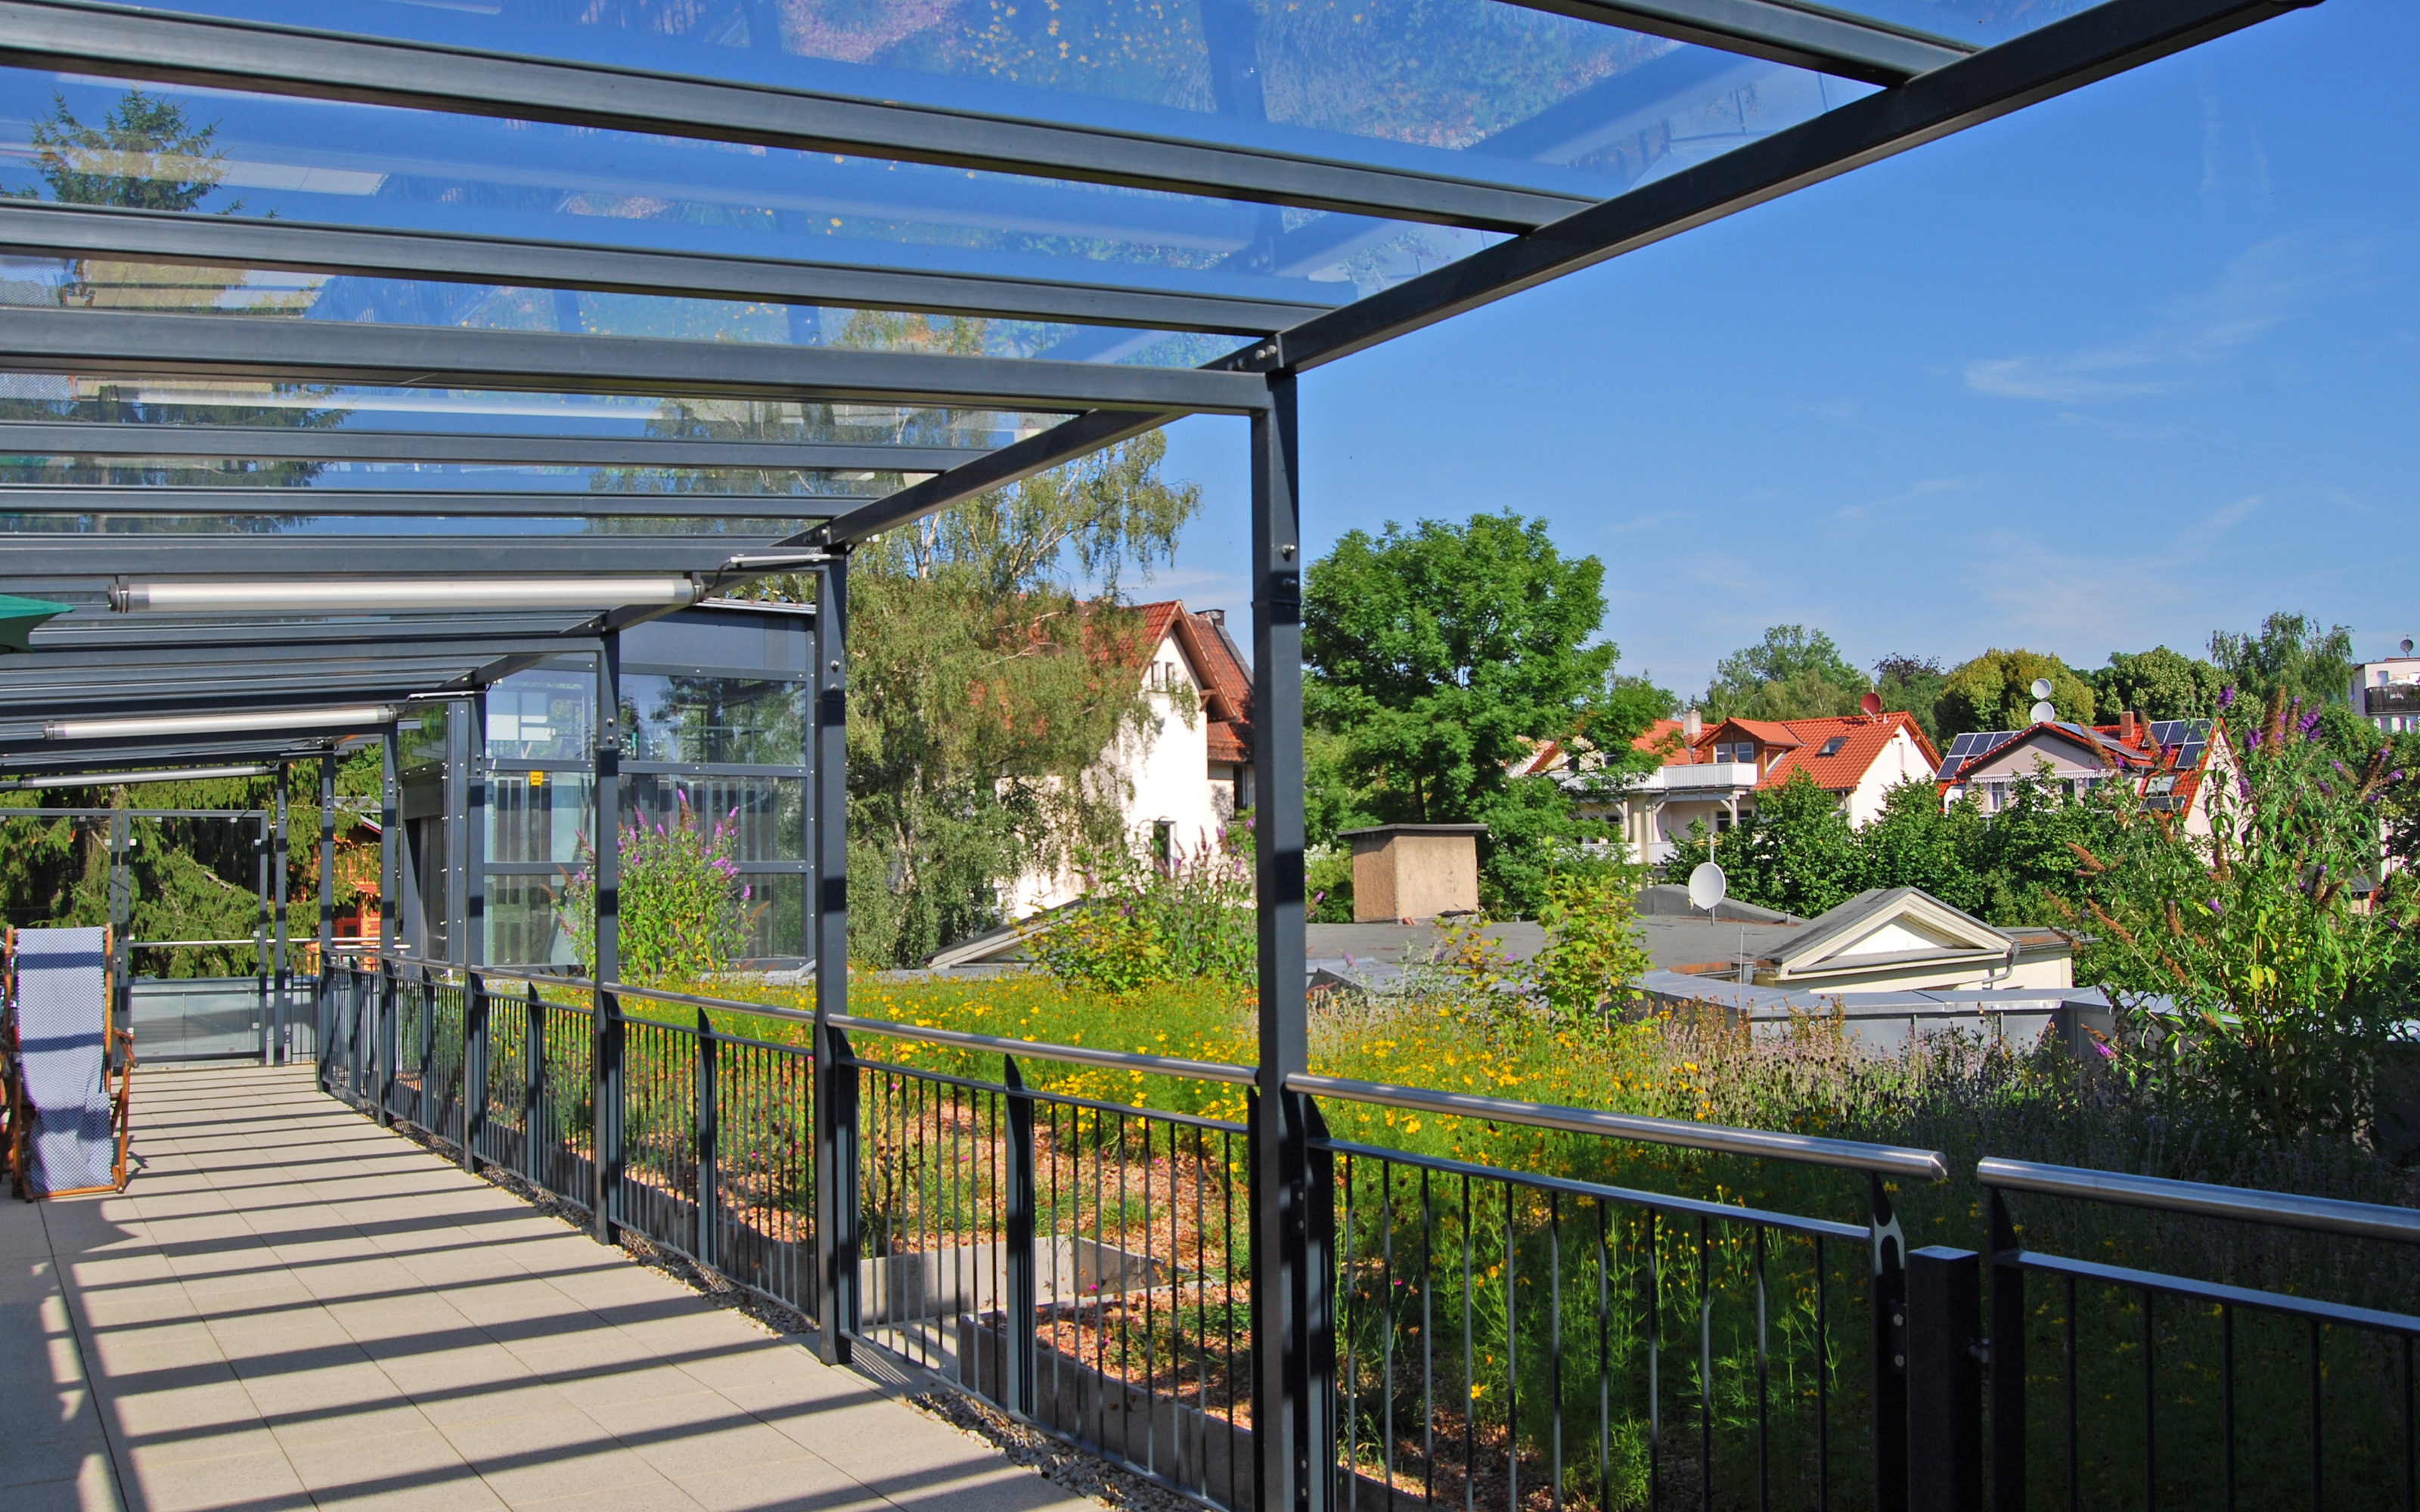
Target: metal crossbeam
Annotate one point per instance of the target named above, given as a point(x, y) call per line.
point(2061, 56)
point(219, 241)
point(96, 343)
point(31, 559)
point(227, 55)
point(1850, 47)
point(306, 444)
point(208, 639)
point(1061, 444)
point(415, 504)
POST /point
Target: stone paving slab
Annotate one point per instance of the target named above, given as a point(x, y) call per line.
point(290, 1307)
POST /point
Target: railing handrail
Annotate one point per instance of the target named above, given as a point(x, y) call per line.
point(148, 945)
point(1808, 1150)
point(2283, 1209)
point(1207, 1071)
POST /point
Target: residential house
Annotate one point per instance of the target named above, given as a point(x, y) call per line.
point(2167, 761)
point(2387, 692)
point(1185, 776)
point(1711, 775)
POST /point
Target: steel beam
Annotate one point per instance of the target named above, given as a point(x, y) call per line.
point(1063, 443)
point(2061, 56)
point(415, 503)
point(1850, 47)
point(228, 54)
point(202, 639)
point(268, 444)
point(223, 241)
point(100, 343)
point(31, 559)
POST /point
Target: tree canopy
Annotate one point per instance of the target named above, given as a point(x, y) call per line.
point(1792, 673)
point(1440, 653)
point(1995, 691)
point(2158, 684)
point(2289, 654)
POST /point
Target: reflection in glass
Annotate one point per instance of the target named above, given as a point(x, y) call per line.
point(545, 714)
point(776, 914)
point(769, 820)
point(540, 816)
point(421, 735)
point(733, 720)
point(525, 922)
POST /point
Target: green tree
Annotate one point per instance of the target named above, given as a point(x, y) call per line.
point(2242, 957)
point(1440, 653)
point(1995, 692)
point(2158, 684)
point(1792, 673)
point(1912, 686)
point(1795, 851)
point(983, 691)
point(2289, 654)
point(144, 155)
point(1917, 843)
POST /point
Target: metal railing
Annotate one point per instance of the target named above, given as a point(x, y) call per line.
point(1946, 1279)
point(1474, 1334)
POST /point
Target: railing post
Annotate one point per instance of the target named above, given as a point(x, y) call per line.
point(1944, 1380)
point(837, 1197)
point(2007, 1360)
point(426, 1000)
point(277, 1051)
point(708, 1131)
point(319, 992)
point(605, 1130)
point(1319, 1301)
point(1017, 1357)
point(1886, 1291)
point(475, 1068)
point(533, 1087)
point(388, 1039)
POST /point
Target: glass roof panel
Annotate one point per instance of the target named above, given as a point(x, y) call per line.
point(1477, 88)
point(326, 163)
point(292, 527)
point(1977, 23)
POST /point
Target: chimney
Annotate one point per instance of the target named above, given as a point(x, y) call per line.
point(2129, 726)
point(1691, 725)
point(1216, 616)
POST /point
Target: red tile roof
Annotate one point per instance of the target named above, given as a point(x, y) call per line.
point(1801, 740)
point(1226, 683)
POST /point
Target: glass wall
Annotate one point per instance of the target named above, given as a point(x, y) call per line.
point(540, 730)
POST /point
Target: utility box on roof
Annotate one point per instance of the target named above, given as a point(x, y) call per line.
point(1414, 872)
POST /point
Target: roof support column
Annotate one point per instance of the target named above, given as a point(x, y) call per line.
point(605, 1019)
point(277, 1050)
point(1294, 1437)
point(319, 1049)
point(836, 1101)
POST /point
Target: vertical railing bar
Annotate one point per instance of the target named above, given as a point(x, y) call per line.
point(1428, 1344)
point(1652, 1281)
point(1227, 1187)
point(1554, 1342)
point(2411, 1438)
point(1705, 1367)
point(709, 1134)
point(2150, 1419)
point(2318, 1458)
point(1201, 1319)
point(1512, 1366)
point(1386, 1326)
point(1603, 1358)
point(1125, 1331)
point(1150, 1296)
point(2226, 1400)
point(1470, 1379)
point(1763, 1375)
point(2074, 1455)
point(1348, 1319)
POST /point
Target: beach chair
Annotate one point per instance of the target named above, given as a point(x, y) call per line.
point(67, 1068)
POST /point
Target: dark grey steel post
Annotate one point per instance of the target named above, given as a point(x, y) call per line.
point(121, 916)
point(1945, 1381)
point(2007, 1359)
point(1017, 1354)
point(260, 940)
point(475, 1067)
point(1886, 1292)
point(533, 1087)
point(276, 1048)
point(472, 863)
point(389, 1043)
point(1295, 1466)
point(424, 999)
point(709, 1131)
point(457, 848)
point(835, 1109)
point(605, 1020)
point(321, 1031)
point(390, 886)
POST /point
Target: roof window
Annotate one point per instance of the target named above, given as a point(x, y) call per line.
point(1832, 747)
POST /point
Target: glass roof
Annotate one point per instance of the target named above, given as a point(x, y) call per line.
point(1476, 87)
point(1975, 22)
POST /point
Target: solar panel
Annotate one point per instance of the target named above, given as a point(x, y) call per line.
point(2164, 732)
point(1949, 769)
point(2200, 731)
point(1963, 745)
point(2191, 756)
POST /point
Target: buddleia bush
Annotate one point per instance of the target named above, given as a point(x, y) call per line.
point(683, 910)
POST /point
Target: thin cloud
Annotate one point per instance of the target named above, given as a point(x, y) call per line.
point(2265, 287)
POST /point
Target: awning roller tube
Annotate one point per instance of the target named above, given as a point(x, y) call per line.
point(371, 596)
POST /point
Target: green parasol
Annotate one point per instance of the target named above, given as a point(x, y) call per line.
point(20, 617)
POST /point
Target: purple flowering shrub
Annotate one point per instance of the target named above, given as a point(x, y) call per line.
point(684, 911)
point(2267, 960)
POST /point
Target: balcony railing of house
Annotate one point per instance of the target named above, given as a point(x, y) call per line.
point(2390, 699)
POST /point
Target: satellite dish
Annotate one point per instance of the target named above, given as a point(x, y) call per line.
point(2407, 645)
point(2040, 688)
point(2044, 713)
point(1871, 703)
point(1707, 886)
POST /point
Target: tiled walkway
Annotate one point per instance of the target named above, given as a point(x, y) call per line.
point(289, 1307)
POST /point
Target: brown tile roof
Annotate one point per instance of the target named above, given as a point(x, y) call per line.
point(1226, 684)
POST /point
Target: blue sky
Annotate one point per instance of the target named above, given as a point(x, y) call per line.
point(2121, 369)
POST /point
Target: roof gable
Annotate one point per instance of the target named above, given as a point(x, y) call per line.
point(1886, 927)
